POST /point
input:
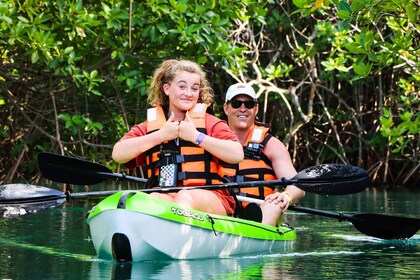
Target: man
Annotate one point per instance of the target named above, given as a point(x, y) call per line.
point(266, 157)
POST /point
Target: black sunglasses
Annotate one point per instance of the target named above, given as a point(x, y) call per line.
point(249, 104)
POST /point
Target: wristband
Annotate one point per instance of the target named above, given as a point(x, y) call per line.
point(200, 138)
point(290, 197)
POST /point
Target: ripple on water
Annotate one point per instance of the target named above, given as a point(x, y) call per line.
point(363, 238)
point(288, 255)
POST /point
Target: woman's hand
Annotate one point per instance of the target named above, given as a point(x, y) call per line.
point(170, 129)
point(187, 129)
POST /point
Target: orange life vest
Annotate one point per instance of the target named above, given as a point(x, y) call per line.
point(255, 166)
point(196, 166)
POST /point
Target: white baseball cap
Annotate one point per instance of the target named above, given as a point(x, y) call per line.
point(238, 89)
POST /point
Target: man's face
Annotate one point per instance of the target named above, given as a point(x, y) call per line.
point(239, 116)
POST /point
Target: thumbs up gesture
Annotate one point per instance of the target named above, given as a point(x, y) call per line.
point(170, 130)
point(187, 130)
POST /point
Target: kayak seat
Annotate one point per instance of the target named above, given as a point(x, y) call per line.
point(251, 212)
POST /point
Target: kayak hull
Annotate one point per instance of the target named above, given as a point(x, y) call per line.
point(139, 227)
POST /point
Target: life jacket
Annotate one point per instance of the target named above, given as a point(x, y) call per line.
point(195, 165)
point(255, 166)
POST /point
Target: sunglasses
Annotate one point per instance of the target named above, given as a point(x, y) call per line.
point(249, 104)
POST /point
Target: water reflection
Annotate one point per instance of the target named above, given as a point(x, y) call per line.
point(230, 268)
point(361, 262)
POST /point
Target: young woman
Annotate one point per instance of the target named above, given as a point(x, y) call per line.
point(180, 143)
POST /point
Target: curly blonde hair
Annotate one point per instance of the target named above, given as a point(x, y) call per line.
point(167, 71)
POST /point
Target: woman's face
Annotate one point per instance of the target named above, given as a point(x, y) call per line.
point(183, 91)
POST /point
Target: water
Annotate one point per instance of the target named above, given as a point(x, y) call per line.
point(55, 244)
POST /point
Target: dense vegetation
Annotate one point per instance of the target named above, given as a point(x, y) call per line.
point(338, 81)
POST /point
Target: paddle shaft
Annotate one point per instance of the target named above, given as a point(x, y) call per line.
point(325, 179)
point(121, 177)
point(339, 216)
point(377, 225)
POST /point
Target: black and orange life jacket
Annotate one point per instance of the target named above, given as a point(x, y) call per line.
point(196, 166)
point(255, 166)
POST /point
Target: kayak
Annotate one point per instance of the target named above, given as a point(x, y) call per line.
point(136, 226)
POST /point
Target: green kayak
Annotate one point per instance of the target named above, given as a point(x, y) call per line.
point(135, 226)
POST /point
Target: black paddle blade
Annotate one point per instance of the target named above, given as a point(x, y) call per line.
point(19, 193)
point(22, 199)
point(386, 227)
point(69, 170)
point(332, 179)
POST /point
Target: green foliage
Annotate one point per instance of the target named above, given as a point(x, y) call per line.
point(84, 68)
point(400, 135)
point(76, 122)
point(75, 74)
point(384, 40)
point(403, 129)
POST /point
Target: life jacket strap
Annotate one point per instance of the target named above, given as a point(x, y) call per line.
point(254, 149)
point(197, 175)
point(169, 157)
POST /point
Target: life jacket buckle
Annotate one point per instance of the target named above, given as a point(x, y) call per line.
point(253, 150)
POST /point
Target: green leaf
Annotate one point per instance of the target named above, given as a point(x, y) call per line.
point(162, 27)
point(64, 117)
point(343, 14)
point(406, 117)
point(93, 74)
point(300, 3)
point(344, 6)
point(193, 28)
point(114, 54)
point(131, 83)
point(412, 12)
point(96, 92)
point(354, 48)
point(77, 120)
point(362, 69)
point(68, 50)
point(35, 57)
point(386, 122)
point(133, 73)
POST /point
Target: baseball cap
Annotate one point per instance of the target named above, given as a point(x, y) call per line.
point(240, 88)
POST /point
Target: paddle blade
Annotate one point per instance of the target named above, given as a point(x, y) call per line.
point(22, 199)
point(18, 193)
point(332, 179)
point(386, 227)
point(69, 170)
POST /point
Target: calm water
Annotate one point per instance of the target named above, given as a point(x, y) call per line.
point(55, 245)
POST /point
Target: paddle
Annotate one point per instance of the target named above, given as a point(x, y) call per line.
point(326, 179)
point(21, 199)
point(376, 225)
point(77, 171)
